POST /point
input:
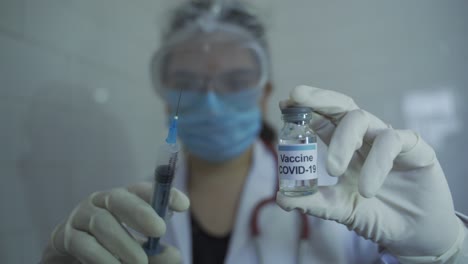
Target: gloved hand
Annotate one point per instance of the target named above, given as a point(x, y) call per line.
point(93, 232)
point(391, 188)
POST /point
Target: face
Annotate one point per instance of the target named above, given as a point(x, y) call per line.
point(220, 79)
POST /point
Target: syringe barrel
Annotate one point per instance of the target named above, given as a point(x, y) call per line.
point(163, 176)
point(160, 203)
point(166, 163)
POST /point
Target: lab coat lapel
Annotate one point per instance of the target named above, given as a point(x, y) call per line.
point(181, 221)
point(259, 185)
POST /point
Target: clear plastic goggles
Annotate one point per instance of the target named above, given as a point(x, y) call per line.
point(222, 58)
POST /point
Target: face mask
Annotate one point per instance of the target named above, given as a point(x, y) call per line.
point(217, 127)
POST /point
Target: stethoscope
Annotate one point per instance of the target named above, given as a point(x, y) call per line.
point(255, 231)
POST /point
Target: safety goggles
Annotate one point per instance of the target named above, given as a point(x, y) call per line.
point(225, 59)
point(225, 82)
point(192, 100)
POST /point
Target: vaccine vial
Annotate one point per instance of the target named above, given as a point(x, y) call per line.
point(297, 153)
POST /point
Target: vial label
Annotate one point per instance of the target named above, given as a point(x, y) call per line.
point(297, 161)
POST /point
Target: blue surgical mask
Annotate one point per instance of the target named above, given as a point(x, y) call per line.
point(216, 127)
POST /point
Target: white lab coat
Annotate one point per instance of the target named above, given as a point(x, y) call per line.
point(330, 242)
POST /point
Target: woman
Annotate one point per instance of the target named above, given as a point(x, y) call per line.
point(217, 60)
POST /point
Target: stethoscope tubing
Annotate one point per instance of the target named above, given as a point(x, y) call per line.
point(255, 231)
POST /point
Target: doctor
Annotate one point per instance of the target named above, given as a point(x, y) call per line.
point(391, 202)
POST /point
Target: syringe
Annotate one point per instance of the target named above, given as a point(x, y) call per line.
point(163, 176)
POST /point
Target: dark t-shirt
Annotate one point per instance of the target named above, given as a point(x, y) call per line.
point(206, 248)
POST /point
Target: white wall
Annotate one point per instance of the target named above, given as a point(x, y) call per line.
point(77, 112)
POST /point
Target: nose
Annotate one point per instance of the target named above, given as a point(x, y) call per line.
point(210, 84)
point(212, 102)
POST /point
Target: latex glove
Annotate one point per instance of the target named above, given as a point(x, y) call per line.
point(391, 188)
point(93, 232)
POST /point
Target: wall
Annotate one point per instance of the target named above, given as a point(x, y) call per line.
point(77, 112)
point(404, 61)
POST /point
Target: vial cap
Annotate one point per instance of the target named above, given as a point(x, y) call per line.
point(296, 110)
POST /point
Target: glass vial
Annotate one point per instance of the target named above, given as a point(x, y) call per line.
point(297, 153)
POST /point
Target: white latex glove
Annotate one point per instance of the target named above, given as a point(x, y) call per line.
point(391, 188)
point(93, 232)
